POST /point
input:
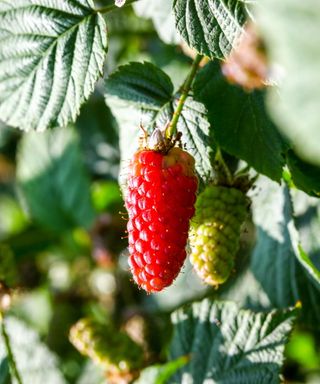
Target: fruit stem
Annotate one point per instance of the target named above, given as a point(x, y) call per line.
point(219, 158)
point(185, 89)
point(112, 7)
point(13, 366)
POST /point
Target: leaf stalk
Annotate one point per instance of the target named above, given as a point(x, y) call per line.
point(185, 89)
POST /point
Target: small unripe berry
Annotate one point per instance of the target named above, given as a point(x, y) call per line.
point(215, 232)
point(113, 350)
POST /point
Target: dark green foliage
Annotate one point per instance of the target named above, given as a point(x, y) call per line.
point(240, 122)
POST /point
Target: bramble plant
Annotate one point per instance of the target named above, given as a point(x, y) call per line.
point(159, 191)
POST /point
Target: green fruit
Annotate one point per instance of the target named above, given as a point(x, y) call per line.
point(215, 232)
point(113, 350)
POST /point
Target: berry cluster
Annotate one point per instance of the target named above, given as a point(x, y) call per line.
point(160, 201)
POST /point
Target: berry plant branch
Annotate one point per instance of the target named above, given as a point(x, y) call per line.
point(185, 89)
point(10, 356)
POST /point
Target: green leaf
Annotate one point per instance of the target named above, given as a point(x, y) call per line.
point(304, 175)
point(52, 180)
point(229, 345)
point(290, 29)
point(51, 55)
point(141, 84)
point(307, 221)
point(240, 123)
point(284, 271)
point(35, 362)
point(162, 17)
point(212, 27)
point(5, 377)
point(160, 374)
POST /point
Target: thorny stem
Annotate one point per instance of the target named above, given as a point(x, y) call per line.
point(10, 356)
point(110, 8)
point(172, 129)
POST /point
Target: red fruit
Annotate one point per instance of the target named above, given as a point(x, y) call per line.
point(160, 201)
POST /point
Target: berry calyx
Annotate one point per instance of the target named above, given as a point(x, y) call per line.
point(160, 201)
point(215, 232)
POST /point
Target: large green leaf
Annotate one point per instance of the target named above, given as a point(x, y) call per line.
point(142, 84)
point(291, 29)
point(212, 27)
point(148, 99)
point(304, 175)
point(284, 271)
point(36, 364)
point(51, 54)
point(229, 345)
point(53, 181)
point(162, 16)
point(240, 123)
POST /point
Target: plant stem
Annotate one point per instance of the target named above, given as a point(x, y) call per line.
point(110, 8)
point(172, 129)
point(10, 356)
point(225, 168)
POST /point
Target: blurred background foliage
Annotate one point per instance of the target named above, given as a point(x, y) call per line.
point(62, 223)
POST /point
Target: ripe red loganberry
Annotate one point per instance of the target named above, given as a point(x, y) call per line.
point(160, 201)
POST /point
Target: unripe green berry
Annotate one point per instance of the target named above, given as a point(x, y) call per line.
point(215, 232)
point(111, 349)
